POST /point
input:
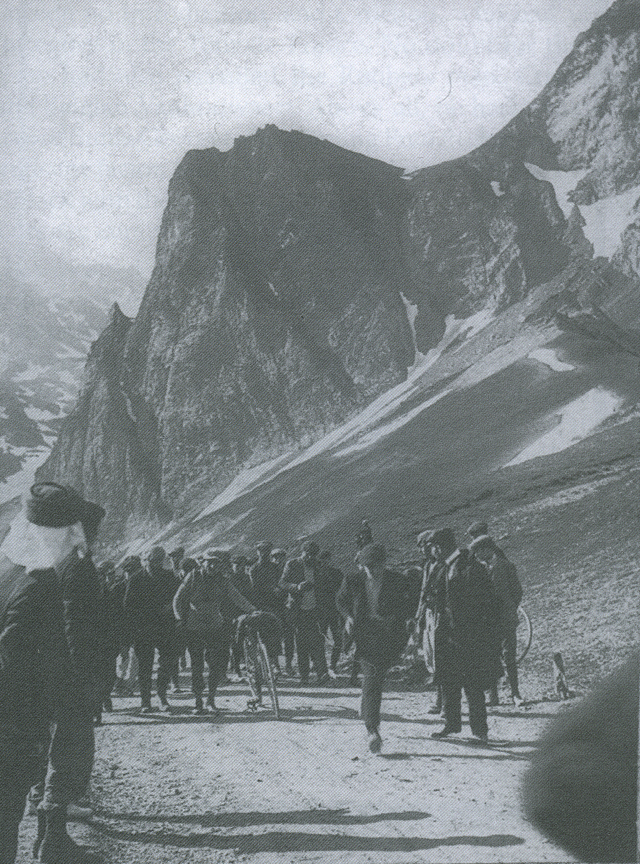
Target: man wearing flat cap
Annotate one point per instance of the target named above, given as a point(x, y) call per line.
point(299, 580)
point(35, 664)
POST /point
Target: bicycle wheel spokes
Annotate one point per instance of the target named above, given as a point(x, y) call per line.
point(524, 635)
point(268, 677)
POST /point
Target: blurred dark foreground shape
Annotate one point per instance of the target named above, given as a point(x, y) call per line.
point(582, 787)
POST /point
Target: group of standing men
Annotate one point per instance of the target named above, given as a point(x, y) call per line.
point(193, 606)
point(59, 643)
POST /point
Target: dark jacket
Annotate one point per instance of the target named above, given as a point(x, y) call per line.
point(266, 593)
point(467, 635)
point(380, 639)
point(148, 603)
point(34, 660)
point(87, 626)
point(328, 582)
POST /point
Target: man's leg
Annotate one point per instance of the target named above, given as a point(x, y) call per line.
point(509, 649)
point(20, 758)
point(167, 664)
point(477, 711)
point(372, 682)
point(195, 644)
point(289, 631)
point(335, 624)
point(451, 703)
point(302, 642)
point(145, 651)
point(316, 647)
point(216, 654)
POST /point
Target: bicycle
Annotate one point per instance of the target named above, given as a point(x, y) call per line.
point(251, 632)
point(524, 635)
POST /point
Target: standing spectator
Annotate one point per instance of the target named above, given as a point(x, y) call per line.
point(467, 638)
point(299, 581)
point(148, 602)
point(65, 779)
point(34, 655)
point(267, 594)
point(203, 607)
point(289, 613)
point(376, 604)
point(127, 665)
point(435, 546)
point(509, 593)
point(329, 580)
point(176, 557)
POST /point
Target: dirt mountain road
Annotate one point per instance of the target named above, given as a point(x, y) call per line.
point(242, 787)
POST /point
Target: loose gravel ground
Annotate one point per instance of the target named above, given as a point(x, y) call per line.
point(246, 787)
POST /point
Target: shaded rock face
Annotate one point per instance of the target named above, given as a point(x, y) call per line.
point(295, 281)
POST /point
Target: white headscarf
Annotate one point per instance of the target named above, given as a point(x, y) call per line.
point(38, 547)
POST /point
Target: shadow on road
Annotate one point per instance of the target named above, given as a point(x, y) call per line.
point(302, 841)
point(260, 817)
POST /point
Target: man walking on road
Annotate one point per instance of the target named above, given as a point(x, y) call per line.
point(376, 605)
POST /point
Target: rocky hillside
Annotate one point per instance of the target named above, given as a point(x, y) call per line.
point(302, 291)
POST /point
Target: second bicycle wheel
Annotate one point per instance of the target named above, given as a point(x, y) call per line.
point(268, 678)
point(524, 635)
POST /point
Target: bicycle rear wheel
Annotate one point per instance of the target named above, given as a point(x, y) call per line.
point(268, 677)
point(524, 635)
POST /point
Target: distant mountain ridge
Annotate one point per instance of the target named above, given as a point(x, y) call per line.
point(297, 283)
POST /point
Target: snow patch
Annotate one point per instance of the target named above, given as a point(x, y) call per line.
point(578, 420)
point(20, 482)
point(563, 183)
point(497, 188)
point(412, 314)
point(244, 482)
point(606, 219)
point(32, 373)
point(550, 358)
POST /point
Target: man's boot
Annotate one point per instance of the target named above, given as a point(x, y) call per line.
point(57, 847)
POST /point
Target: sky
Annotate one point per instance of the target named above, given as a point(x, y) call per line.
point(102, 98)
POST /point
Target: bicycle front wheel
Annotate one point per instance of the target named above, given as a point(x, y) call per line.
point(524, 635)
point(268, 677)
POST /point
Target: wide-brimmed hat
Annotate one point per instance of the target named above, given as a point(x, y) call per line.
point(52, 505)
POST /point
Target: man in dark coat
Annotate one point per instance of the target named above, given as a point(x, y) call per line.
point(66, 776)
point(509, 594)
point(376, 605)
point(329, 580)
point(35, 667)
point(148, 602)
point(467, 640)
point(299, 581)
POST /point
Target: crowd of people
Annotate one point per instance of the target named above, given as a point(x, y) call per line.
point(73, 634)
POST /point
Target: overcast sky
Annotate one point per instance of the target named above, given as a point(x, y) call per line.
point(102, 98)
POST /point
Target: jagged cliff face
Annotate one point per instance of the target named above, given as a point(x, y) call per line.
point(296, 281)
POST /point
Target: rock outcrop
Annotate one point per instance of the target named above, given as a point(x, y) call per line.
point(295, 281)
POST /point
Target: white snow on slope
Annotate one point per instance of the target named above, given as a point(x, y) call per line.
point(606, 219)
point(550, 359)
point(412, 314)
point(384, 406)
point(21, 481)
point(577, 420)
point(497, 188)
point(563, 182)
